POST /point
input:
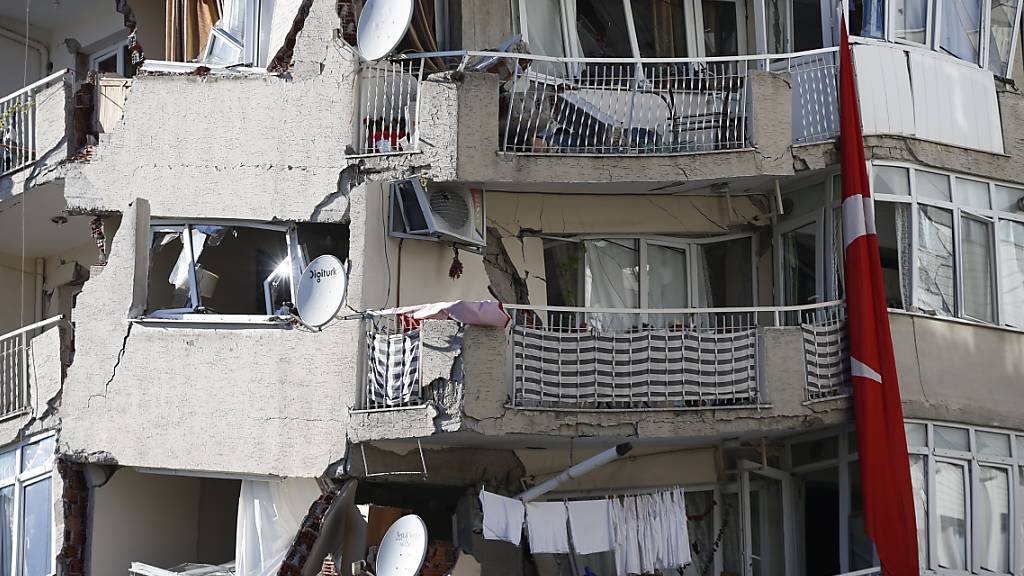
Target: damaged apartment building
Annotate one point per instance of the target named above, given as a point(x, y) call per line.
point(566, 232)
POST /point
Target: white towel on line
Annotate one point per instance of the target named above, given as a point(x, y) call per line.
point(546, 524)
point(503, 517)
point(591, 525)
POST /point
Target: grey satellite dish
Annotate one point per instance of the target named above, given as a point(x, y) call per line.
point(403, 548)
point(321, 291)
point(382, 25)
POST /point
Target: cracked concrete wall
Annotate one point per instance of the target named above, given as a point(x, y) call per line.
point(229, 399)
point(959, 372)
point(45, 381)
point(441, 374)
point(53, 123)
point(247, 146)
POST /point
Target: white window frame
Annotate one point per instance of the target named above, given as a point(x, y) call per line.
point(972, 461)
point(689, 245)
point(117, 50)
point(20, 481)
point(693, 16)
point(297, 261)
point(959, 210)
point(825, 219)
point(258, 19)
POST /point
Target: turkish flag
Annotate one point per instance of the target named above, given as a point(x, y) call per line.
point(881, 441)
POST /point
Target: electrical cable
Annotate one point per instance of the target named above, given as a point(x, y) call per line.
point(24, 194)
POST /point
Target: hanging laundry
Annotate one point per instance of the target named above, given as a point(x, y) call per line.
point(546, 523)
point(626, 536)
point(503, 517)
point(591, 524)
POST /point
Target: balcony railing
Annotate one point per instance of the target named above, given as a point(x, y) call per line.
point(388, 104)
point(15, 367)
point(392, 376)
point(625, 106)
point(19, 144)
point(814, 77)
point(619, 106)
point(622, 359)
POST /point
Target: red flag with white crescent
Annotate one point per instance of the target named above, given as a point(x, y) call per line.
point(881, 441)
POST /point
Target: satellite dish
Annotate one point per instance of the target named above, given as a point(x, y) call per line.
point(321, 291)
point(382, 25)
point(403, 548)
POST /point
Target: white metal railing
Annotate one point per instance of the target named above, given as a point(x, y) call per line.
point(15, 372)
point(626, 105)
point(392, 363)
point(814, 77)
point(388, 95)
point(18, 145)
point(588, 106)
point(616, 359)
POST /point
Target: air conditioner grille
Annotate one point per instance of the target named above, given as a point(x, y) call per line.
point(451, 207)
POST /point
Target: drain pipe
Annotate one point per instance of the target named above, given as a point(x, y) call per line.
point(588, 465)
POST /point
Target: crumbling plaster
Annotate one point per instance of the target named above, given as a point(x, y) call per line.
point(244, 145)
point(224, 398)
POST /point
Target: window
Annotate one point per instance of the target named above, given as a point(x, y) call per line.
point(1002, 22)
point(233, 269)
point(115, 59)
point(676, 273)
point(964, 238)
point(26, 509)
point(911, 20)
point(966, 509)
point(242, 35)
point(634, 28)
point(960, 28)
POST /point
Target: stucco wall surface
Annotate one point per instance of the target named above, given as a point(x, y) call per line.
point(959, 372)
point(228, 398)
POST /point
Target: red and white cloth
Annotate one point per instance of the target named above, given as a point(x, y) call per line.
point(881, 441)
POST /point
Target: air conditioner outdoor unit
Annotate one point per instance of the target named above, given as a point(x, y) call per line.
point(441, 212)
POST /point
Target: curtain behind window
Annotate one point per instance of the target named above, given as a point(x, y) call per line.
point(961, 24)
point(660, 28)
point(544, 27)
point(1003, 14)
point(188, 25)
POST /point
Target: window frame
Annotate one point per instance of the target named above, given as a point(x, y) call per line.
point(689, 245)
point(960, 209)
point(972, 461)
point(297, 262)
point(19, 482)
point(693, 11)
point(116, 50)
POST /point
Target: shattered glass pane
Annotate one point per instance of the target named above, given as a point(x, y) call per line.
point(37, 454)
point(935, 292)
point(232, 269)
point(164, 255)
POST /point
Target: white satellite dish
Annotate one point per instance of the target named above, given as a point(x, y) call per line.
point(321, 290)
point(382, 25)
point(403, 548)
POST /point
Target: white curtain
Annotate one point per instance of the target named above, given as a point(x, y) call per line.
point(873, 19)
point(666, 277)
point(919, 482)
point(904, 252)
point(544, 27)
point(269, 516)
point(1011, 260)
point(976, 254)
point(951, 501)
point(961, 23)
point(611, 280)
point(994, 519)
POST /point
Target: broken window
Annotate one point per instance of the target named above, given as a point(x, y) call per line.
point(216, 269)
point(235, 269)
